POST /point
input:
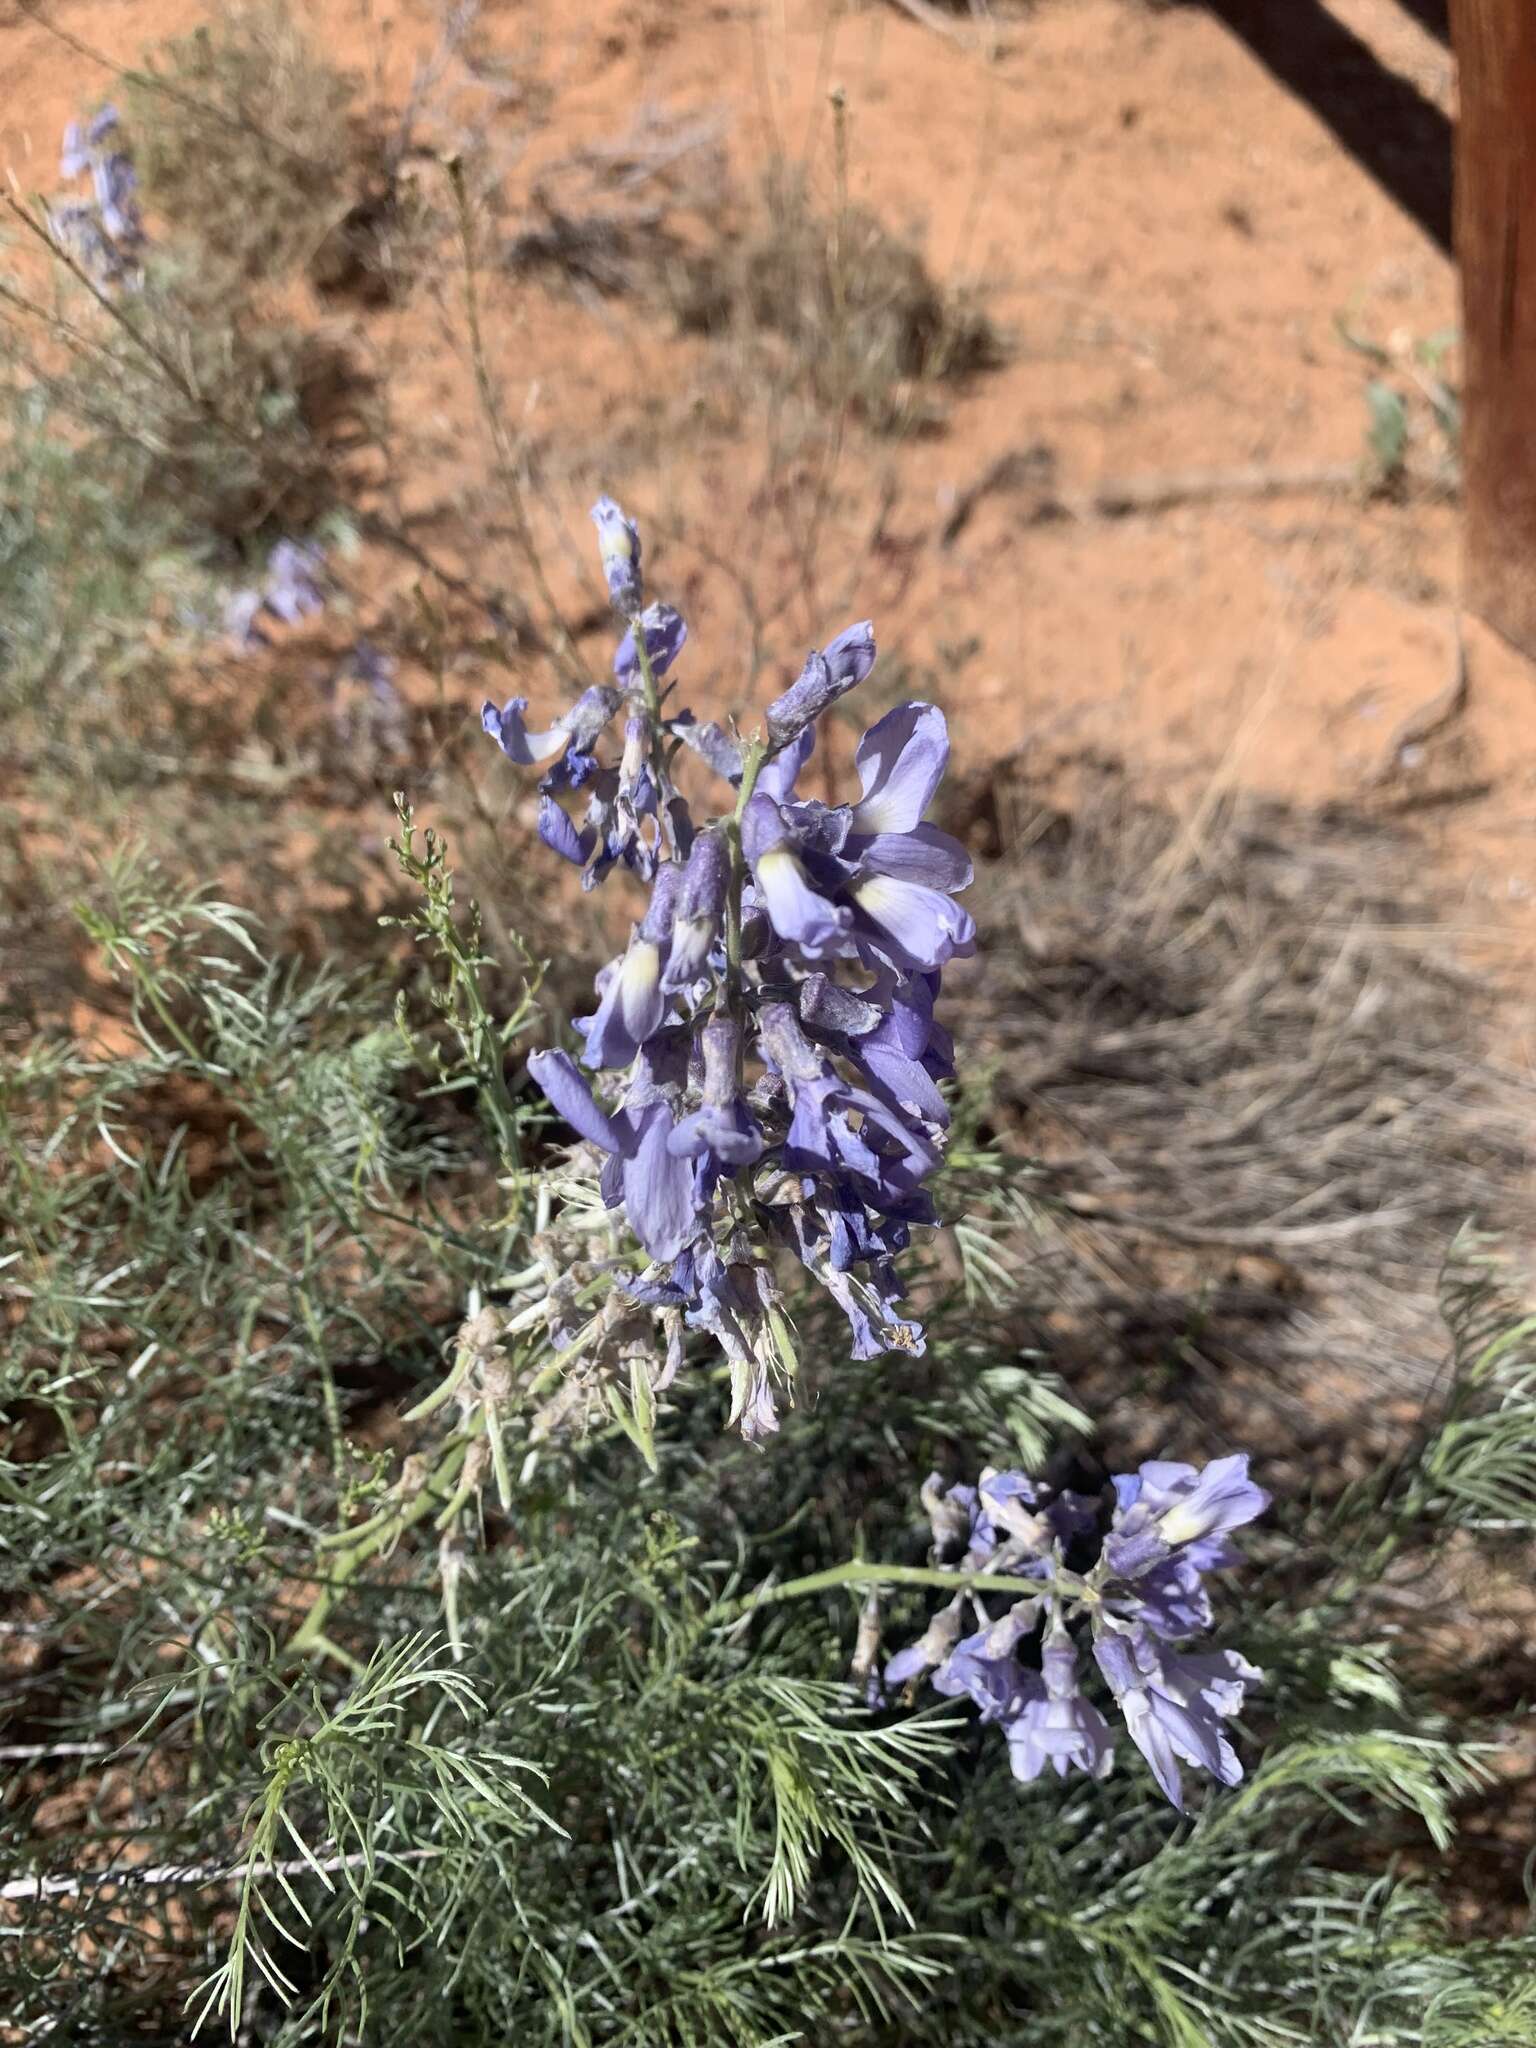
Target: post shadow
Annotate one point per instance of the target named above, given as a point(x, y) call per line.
point(1384, 122)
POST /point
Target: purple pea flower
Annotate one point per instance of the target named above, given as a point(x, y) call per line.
point(711, 742)
point(618, 541)
point(870, 1307)
point(242, 612)
point(797, 910)
point(930, 1649)
point(900, 1054)
point(1166, 1507)
point(654, 1188)
point(779, 774)
point(983, 1666)
point(885, 1150)
point(633, 1002)
point(907, 872)
point(840, 666)
point(570, 1093)
point(665, 632)
point(754, 1411)
point(1173, 1705)
point(1170, 1599)
point(508, 729)
point(292, 589)
point(1194, 1506)
point(561, 836)
point(575, 730)
point(722, 1128)
point(1055, 1725)
point(74, 157)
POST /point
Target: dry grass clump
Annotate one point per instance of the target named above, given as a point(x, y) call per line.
point(246, 138)
point(850, 304)
point(1261, 1093)
point(255, 148)
point(606, 218)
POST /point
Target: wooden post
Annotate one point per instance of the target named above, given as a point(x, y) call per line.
point(1495, 215)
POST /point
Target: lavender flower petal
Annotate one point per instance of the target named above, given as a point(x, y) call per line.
point(901, 762)
point(910, 924)
point(566, 1087)
point(507, 729)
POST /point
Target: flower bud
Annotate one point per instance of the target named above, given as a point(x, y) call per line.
point(700, 908)
point(841, 664)
point(618, 541)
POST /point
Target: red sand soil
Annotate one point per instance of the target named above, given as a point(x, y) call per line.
point(1168, 235)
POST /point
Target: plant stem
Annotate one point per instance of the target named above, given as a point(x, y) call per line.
point(859, 1572)
point(375, 1536)
point(490, 406)
point(751, 767)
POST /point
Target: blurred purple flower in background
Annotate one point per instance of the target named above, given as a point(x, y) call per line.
point(291, 590)
point(106, 232)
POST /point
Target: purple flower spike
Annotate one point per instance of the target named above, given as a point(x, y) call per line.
point(733, 1136)
point(665, 632)
point(618, 541)
point(840, 666)
point(795, 908)
point(1174, 1704)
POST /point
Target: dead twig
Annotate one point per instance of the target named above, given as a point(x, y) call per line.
point(1032, 468)
point(61, 1887)
point(1423, 723)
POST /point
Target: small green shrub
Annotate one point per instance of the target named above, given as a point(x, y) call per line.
point(601, 1812)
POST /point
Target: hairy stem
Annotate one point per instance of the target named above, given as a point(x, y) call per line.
point(756, 755)
point(859, 1572)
